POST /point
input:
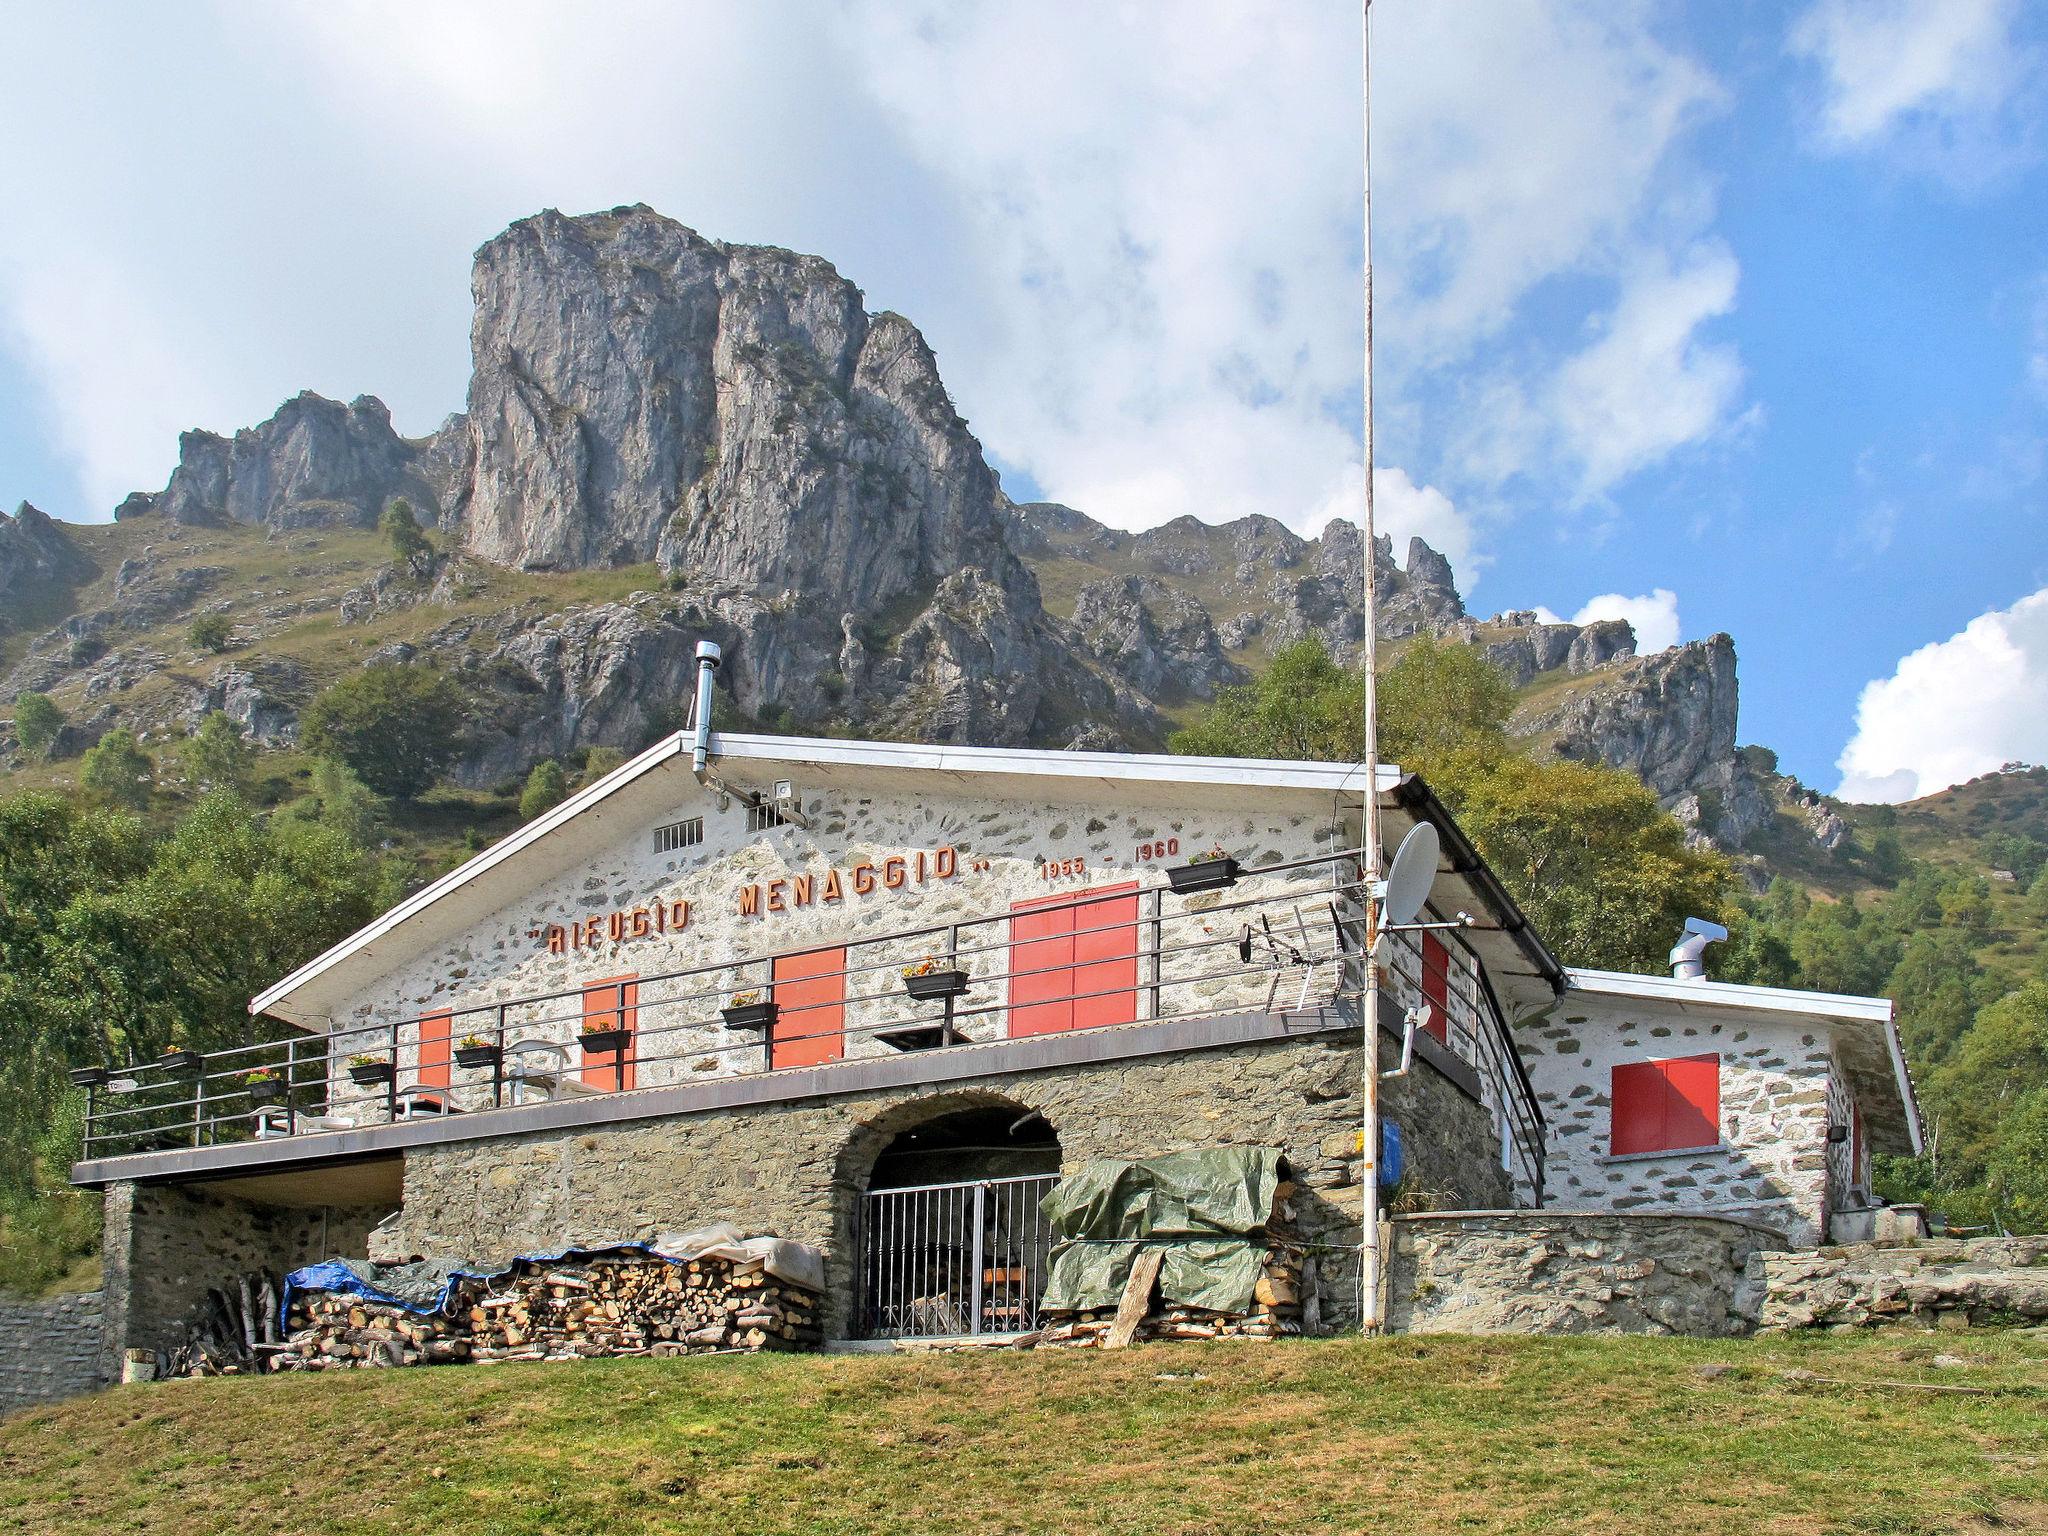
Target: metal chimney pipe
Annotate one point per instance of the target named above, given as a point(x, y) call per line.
point(1688, 955)
point(708, 657)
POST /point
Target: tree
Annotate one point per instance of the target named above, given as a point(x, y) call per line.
point(2000, 1061)
point(216, 756)
point(395, 727)
point(118, 772)
point(546, 787)
point(37, 723)
point(211, 632)
point(409, 546)
point(1603, 871)
point(2017, 1170)
point(1305, 707)
point(335, 798)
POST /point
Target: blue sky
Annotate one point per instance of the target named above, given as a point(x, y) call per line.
point(1723, 316)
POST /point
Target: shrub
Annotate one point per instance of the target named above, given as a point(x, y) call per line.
point(211, 632)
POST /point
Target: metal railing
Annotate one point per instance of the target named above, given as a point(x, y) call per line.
point(1287, 936)
point(944, 1260)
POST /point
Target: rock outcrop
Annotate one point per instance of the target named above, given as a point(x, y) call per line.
point(316, 462)
point(35, 552)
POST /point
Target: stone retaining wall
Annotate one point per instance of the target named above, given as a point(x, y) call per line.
point(1569, 1272)
point(1939, 1283)
point(49, 1349)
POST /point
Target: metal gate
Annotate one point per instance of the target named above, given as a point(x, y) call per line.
point(941, 1260)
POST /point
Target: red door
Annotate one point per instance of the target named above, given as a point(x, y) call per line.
point(435, 1030)
point(613, 1003)
point(810, 1009)
point(1074, 967)
point(1436, 986)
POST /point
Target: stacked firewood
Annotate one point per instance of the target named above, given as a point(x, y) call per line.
point(620, 1304)
point(1275, 1311)
point(630, 1305)
point(334, 1332)
point(236, 1327)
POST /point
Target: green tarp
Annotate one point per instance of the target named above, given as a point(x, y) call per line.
point(1207, 1209)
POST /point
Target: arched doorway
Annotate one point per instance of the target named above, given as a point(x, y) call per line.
point(951, 1241)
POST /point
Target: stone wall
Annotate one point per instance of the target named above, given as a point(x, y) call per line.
point(165, 1247)
point(1772, 1164)
point(1568, 1272)
point(49, 1349)
point(798, 1169)
point(1939, 1283)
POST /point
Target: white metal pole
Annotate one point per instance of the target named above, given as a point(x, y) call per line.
point(1369, 1062)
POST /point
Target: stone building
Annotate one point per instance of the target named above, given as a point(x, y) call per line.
point(875, 997)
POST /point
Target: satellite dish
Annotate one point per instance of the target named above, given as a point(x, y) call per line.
point(1411, 874)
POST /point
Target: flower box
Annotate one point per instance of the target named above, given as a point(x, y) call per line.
point(89, 1077)
point(266, 1090)
point(599, 1042)
point(930, 986)
point(474, 1056)
point(749, 1016)
point(181, 1061)
point(1203, 875)
point(367, 1074)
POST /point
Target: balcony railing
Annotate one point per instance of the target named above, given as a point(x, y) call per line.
point(1284, 937)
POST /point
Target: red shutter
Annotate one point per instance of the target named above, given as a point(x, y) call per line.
point(1662, 1106)
point(613, 1003)
point(1074, 967)
point(1436, 986)
point(810, 1009)
point(435, 1030)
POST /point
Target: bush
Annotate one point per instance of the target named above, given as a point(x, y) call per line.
point(216, 756)
point(37, 723)
point(409, 546)
point(118, 772)
point(211, 632)
point(395, 727)
point(546, 787)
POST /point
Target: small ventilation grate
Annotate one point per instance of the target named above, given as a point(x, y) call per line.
point(678, 835)
point(761, 817)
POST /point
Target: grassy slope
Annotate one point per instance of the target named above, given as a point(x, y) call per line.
point(1395, 1435)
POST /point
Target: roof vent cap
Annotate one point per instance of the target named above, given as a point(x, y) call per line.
point(1688, 955)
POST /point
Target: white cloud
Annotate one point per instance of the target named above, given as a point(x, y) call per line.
point(1954, 709)
point(1654, 617)
point(1130, 233)
point(1936, 71)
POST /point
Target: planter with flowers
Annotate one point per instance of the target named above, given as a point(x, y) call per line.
point(369, 1071)
point(265, 1085)
point(474, 1051)
point(748, 1010)
point(1211, 871)
point(928, 981)
point(602, 1039)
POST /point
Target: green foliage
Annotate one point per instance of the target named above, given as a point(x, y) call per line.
point(335, 798)
point(2017, 1170)
point(546, 787)
point(216, 756)
point(37, 722)
point(395, 727)
point(599, 761)
point(409, 545)
point(115, 946)
point(118, 772)
point(211, 632)
point(1603, 872)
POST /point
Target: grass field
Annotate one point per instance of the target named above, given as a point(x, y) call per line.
point(1333, 1435)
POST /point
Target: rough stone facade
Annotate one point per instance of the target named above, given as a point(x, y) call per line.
point(1555, 1272)
point(1941, 1283)
point(799, 1169)
point(1771, 1165)
point(165, 1247)
point(50, 1349)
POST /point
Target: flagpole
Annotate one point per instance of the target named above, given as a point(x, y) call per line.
point(1369, 1063)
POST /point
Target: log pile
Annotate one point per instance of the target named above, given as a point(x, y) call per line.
point(235, 1329)
point(1275, 1312)
point(609, 1304)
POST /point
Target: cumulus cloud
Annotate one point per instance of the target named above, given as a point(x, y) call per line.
point(1653, 616)
point(1142, 282)
point(1954, 709)
point(1939, 71)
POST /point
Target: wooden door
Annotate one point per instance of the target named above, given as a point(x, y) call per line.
point(810, 1009)
point(1074, 966)
point(613, 1003)
point(435, 1032)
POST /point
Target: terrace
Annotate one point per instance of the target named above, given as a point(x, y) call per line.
point(1237, 953)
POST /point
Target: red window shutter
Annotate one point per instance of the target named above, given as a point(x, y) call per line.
point(435, 1030)
point(613, 1003)
point(1436, 986)
point(1074, 967)
point(1661, 1106)
point(810, 1009)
